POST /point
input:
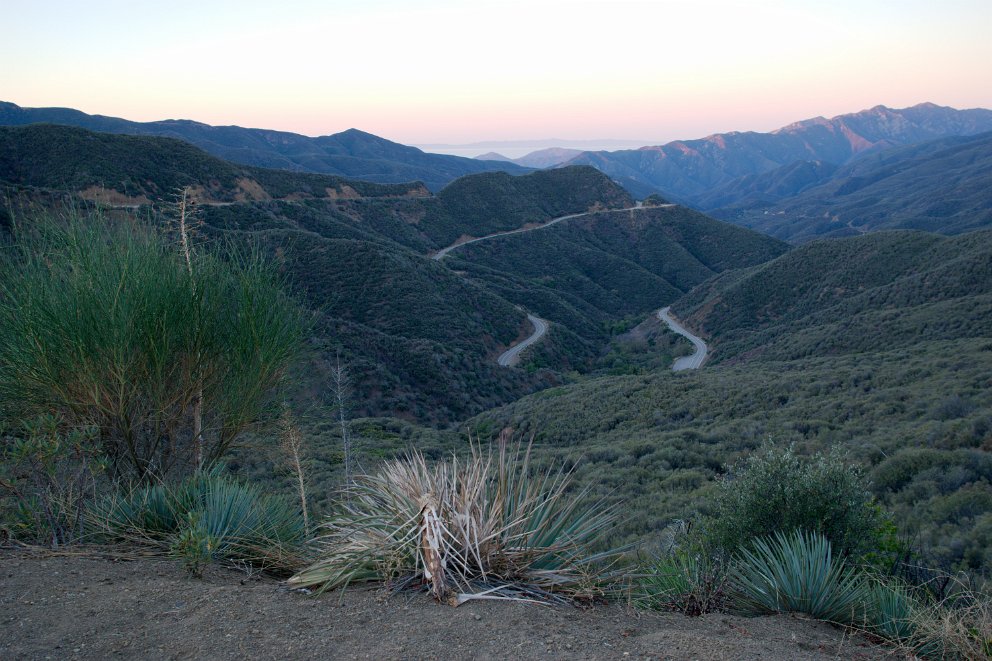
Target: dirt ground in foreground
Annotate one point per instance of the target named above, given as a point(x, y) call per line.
point(84, 607)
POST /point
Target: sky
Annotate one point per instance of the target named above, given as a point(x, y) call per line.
point(439, 71)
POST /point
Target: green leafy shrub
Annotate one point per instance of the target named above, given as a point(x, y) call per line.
point(47, 477)
point(798, 573)
point(776, 490)
point(108, 326)
point(207, 517)
point(465, 528)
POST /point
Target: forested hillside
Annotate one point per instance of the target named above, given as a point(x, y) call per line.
point(420, 338)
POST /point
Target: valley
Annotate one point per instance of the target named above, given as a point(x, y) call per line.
point(838, 308)
point(483, 330)
point(512, 303)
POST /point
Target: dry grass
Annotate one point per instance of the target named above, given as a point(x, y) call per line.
point(960, 627)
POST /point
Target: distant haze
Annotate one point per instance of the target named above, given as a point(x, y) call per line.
point(455, 72)
point(518, 148)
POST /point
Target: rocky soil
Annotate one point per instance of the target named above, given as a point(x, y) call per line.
point(87, 605)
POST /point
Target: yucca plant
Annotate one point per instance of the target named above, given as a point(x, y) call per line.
point(891, 612)
point(486, 526)
point(798, 573)
point(207, 517)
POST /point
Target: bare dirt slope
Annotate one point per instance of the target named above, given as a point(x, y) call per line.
point(68, 607)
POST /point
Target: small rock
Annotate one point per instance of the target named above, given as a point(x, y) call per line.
point(477, 616)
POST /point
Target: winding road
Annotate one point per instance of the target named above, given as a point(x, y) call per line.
point(440, 254)
point(693, 362)
point(511, 356)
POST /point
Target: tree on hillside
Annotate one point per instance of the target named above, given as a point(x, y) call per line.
point(108, 326)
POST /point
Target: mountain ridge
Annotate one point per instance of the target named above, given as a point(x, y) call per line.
point(687, 169)
point(352, 153)
point(943, 186)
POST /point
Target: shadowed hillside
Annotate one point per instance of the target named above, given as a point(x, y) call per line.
point(351, 153)
point(940, 186)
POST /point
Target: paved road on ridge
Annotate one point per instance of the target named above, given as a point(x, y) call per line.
point(511, 356)
point(440, 254)
point(693, 362)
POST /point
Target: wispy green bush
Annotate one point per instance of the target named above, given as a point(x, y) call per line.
point(47, 478)
point(104, 324)
point(485, 526)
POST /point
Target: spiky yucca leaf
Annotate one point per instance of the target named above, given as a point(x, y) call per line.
point(798, 573)
point(235, 520)
point(473, 524)
point(891, 612)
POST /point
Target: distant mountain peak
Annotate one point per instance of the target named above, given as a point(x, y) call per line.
point(492, 156)
point(690, 170)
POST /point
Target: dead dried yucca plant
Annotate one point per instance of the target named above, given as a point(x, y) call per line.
point(485, 526)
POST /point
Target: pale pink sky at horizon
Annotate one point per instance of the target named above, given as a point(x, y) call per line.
point(457, 72)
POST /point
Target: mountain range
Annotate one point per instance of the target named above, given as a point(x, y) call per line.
point(853, 173)
point(542, 158)
point(351, 153)
point(687, 170)
point(943, 186)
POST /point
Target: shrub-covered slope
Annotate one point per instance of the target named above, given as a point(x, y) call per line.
point(879, 345)
point(940, 186)
point(851, 295)
point(623, 262)
point(351, 153)
point(919, 417)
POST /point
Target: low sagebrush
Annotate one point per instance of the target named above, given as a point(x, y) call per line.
point(481, 527)
point(692, 583)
